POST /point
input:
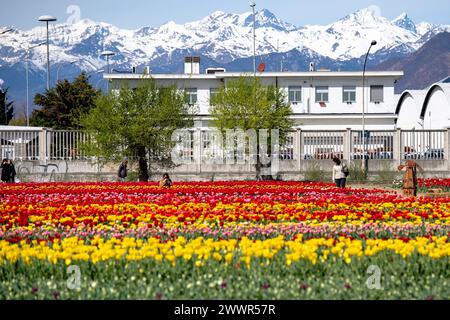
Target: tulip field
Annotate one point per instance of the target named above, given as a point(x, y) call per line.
point(221, 240)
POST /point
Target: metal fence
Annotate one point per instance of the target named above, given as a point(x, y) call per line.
point(308, 145)
point(376, 145)
point(20, 145)
point(319, 145)
point(67, 145)
point(423, 145)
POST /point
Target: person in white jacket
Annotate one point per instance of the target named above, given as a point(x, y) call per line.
point(339, 176)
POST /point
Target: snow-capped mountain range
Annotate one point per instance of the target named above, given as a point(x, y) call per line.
point(221, 39)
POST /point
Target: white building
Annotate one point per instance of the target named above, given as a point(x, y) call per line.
point(409, 107)
point(320, 100)
point(425, 109)
point(436, 107)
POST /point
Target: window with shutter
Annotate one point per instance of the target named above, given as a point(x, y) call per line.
point(376, 93)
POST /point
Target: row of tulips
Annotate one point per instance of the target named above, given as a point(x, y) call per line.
point(425, 184)
point(375, 209)
point(201, 249)
point(279, 230)
point(386, 230)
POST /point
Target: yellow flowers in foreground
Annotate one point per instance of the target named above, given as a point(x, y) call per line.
point(201, 250)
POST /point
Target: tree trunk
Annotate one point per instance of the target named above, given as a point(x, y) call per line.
point(258, 166)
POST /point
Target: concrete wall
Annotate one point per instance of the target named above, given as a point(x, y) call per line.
point(84, 171)
point(394, 151)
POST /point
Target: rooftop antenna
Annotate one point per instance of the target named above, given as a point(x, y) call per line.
point(253, 5)
point(281, 57)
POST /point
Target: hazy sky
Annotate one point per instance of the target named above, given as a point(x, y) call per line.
point(133, 14)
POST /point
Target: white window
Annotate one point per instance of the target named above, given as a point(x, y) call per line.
point(322, 94)
point(191, 96)
point(295, 94)
point(349, 94)
point(212, 94)
point(376, 94)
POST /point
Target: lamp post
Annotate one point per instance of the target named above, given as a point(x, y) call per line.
point(47, 19)
point(27, 78)
point(107, 54)
point(365, 159)
point(6, 31)
point(6, 110)
point(98, 82)
point(57, 71)
point(75, 61)
point(97, 72)
point(253, 5)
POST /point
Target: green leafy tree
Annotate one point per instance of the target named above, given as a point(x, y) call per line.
point(137, 122)
point(63, 105)
point(6, 108)
point(247, 104)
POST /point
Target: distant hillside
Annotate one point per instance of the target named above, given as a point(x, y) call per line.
point(424, 67)
point(220, 39)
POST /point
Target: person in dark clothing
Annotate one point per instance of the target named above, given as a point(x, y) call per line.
point(6, 171)
point(123, 170)
point(143, 170)
point(12, 175)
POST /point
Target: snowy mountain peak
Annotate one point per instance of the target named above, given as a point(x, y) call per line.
point(264, 18)
point(365, 17)
point(403, 21)
point(221, 39)
point(216, 14)
point(85, 22)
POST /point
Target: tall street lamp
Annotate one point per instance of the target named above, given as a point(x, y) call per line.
point(253, 5)
point(6, 110)
point(47, 19)
point(6, 31)
point(59, 68)
point(73, 62)
point(27, 77)
point(366, 159)
point(107, 54)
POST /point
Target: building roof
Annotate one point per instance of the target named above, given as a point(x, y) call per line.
point(417, 95)
point(19, 128)
point(222, 75)
point(445, 87)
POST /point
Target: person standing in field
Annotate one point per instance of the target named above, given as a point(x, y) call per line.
point(123, 170)
point(6, 172)
point(12, 175)
point(339, 173)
